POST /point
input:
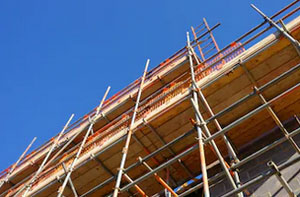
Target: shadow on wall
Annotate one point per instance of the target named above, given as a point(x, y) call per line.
point(279, 155)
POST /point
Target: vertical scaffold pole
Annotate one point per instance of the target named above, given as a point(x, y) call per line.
point(16, 164)
point(199, 131)
point(129, 134)
point(209, 110)
point(223, 163)
point(51, 149)
point(92, 122)
point(230, 149)
point(200, 120)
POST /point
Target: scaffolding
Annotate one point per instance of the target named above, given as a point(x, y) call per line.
point(182, 120)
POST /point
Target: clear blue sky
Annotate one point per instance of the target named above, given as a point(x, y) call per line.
point(58, 57)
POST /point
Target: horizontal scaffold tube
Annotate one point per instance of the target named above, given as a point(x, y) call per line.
point(142, 160)
point(207, 140)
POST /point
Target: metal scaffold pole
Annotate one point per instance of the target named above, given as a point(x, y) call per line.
point(71, 185)
point(16, 164)
point(129, 134)
point(92, 122)
point(41, 168)
point(158, 178)
point(199, 131)
point(270, 110)
point(200, 120)
point(148, 125)
point(232, 154)
point(283, 30)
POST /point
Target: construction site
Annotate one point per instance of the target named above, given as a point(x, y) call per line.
point(204, 122)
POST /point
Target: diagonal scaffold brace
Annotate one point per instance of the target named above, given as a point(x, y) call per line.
point(159, 179)
point(129, 134)
point(28, 186)
point(6, 179)
point(92, 122)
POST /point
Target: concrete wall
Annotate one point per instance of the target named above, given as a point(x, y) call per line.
point(270, 186)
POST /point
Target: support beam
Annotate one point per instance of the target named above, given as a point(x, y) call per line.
point(127, 143)
point(71, 185)
point(112, 174)
point(159, 179)
point(172, 152)
point(153, 158)
point(214, 145)
point(200, 120)
point(231, 152)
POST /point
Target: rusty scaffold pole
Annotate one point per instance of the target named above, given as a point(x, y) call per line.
point(129, 134)
point(211, 35)
point(158, 178)
point(196, 39)
point(71, 167)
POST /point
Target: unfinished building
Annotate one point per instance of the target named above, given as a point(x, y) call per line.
point(205, 122)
